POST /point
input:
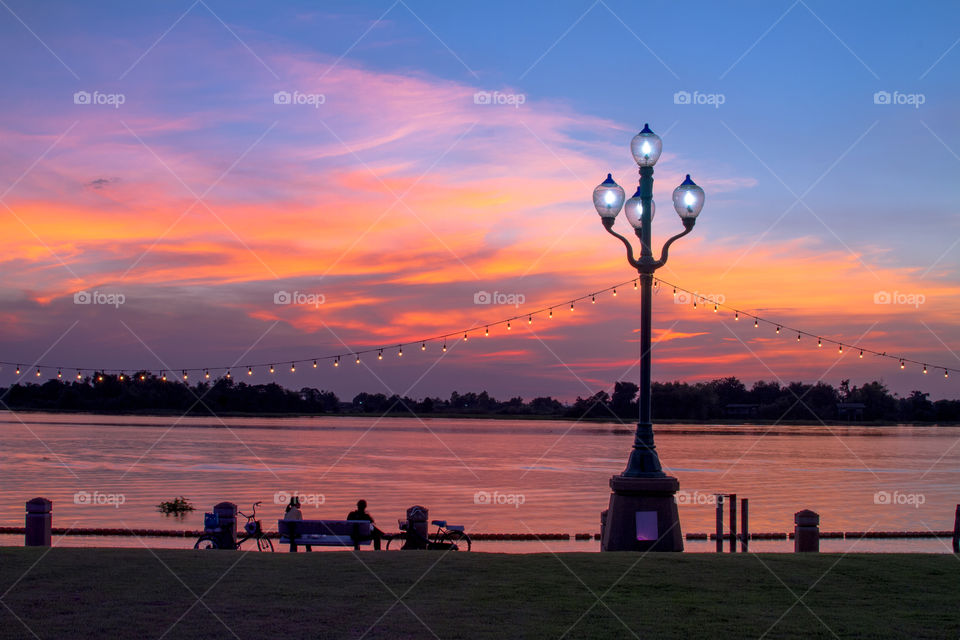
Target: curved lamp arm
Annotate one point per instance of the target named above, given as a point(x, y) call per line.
point(608, 225)
point(688, 227)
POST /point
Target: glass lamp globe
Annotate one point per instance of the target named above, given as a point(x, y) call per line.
point(646, 147)
point(608, 198)
point(688, 199)
point(633, 209)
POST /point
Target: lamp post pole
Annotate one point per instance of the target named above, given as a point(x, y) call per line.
point(643, 513)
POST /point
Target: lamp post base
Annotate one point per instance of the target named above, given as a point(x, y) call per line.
point(642, 516)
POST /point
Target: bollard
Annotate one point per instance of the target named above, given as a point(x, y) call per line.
point(39, 521)
point(227, 515)
point(733, 523)
point(806, 533)
point(956, 531)
point(719, 523)
point(744, 525)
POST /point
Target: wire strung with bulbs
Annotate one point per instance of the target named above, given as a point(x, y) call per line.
point(697, 300)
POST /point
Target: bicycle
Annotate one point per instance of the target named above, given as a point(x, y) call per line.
point(211, 538)
point(452, 537)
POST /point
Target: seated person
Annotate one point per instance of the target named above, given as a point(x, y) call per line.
point(293, 512)
point(361, 514)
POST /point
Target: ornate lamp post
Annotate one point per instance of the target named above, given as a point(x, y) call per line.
point(643, 510)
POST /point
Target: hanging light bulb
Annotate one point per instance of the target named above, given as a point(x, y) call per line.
point(840, 348)
point(901, 364)
point(184, 375)
point(946, 374)
point(674, 292)
point(206, 374)
point(756, 323)
point(271, 368)
point(100, 378)
point(635, 285)
point(38, 372)
point(486, 332)
point(614, 293)
point(143, 377)
point(819, 343)
point(571, 306)
point(694, 303)
point(358, 358)
point(163, 376)
point(714, 307)
point(59, 375)
point(79, 375)
point(380, 355)
point(423, 346)
point(924, 369)
point(249, 371)
point(314, 364)
point(400, 352)
point(293, 367)
point(444, 346)
point(228, 374)
point(120, 377)
point(464, 336)
point(18, 369)
point(736, 316)
point(798, 337)
point(861, 354)
point(551, 313)
point(530, 320)
point(778, 330)
point(508, 325)
point(593, 299)
point(336, 362)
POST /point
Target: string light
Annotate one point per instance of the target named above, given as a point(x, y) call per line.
point(38, 372)
point(18, 370)
point(901, 364)
point(924, 369)
point(249, 371)
point(358, 358)
point(593, 299)
point(778, 329)
point(336, 362)
point(380, 355)
point(674, 292)
point(756, 323)
point(571, 306)
point(293, 368)
point(694, 303)
point(314, 364)
point(736, 316)
point(530, 320)
point(163, 376)
point(946, 374)
point(861, 354)
point(400, 352)
point(100, 378)
point(635, 285)
point(206, 374)
point(142, 377)
point(819, 343)
point(227, 376)
point(184, 375)
point(798, 337)
point(121, 376)
point(508, 325)
point(271, 368)
point(614, 293)
point(486, 332)
point(423, 346)
point(714, 307)
point(60, 375)
point(840, 348)
point(551, 315)
point(444, 346)
point(464, 336)
point(79, 375)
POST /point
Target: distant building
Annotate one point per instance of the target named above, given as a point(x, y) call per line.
point(741, 411)
point(850, 410)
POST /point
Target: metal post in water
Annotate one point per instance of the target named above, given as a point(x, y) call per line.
point(719, 523)
point(744, 525)
point(733, 523)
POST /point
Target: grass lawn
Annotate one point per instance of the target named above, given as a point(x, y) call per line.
point(140, 593)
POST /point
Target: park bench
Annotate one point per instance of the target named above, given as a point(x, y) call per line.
point(325, 533)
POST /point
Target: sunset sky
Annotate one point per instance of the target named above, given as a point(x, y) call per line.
point(143, 153)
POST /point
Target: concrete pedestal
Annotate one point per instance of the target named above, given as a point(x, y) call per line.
point(642, 515)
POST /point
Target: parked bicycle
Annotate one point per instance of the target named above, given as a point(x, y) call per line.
point(212, 535)
point(452, 537)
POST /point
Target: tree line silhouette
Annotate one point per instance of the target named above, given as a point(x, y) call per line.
point(719, 399)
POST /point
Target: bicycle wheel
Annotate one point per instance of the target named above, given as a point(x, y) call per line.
point(264, 544)
point(399, 539)
point(459, 540)
point(206, 541)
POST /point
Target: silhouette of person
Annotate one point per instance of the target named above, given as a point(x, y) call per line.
point(293, 512)
point(361, 514)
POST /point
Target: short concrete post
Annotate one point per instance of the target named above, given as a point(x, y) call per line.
point(806, 533)
point(39, 521)
point(227, 516)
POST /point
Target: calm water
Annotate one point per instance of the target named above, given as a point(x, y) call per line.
point(492, 476)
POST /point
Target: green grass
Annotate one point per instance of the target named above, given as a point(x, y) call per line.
point(139, 593)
